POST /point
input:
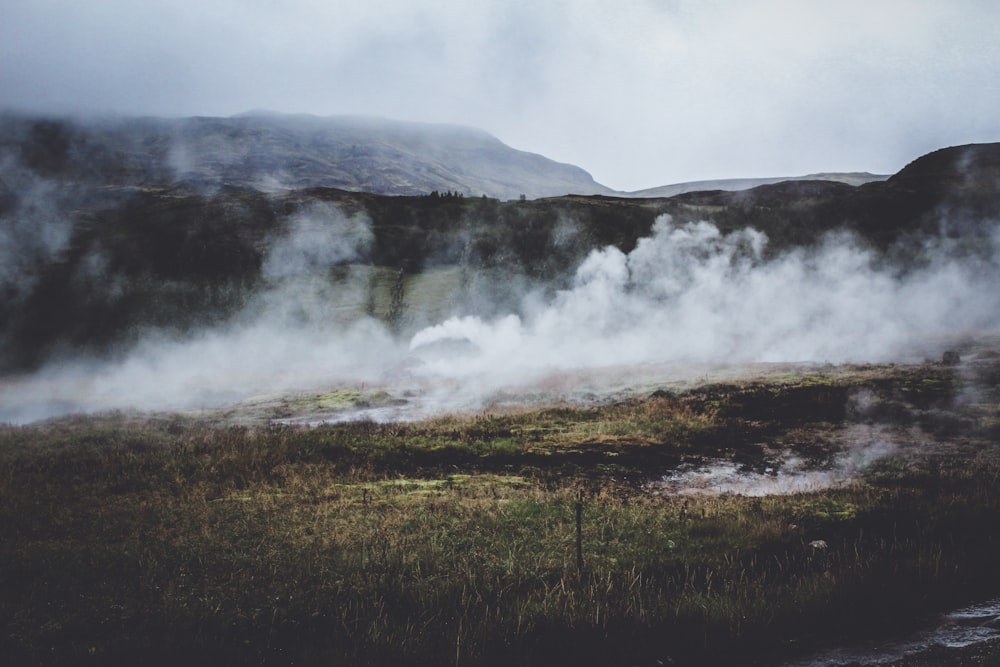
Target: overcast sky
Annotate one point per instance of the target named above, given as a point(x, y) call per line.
point(639, 93)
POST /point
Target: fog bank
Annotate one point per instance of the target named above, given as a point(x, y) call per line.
point(686, 293)
point(691, 293)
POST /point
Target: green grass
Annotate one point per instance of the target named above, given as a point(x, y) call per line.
point(453, 541)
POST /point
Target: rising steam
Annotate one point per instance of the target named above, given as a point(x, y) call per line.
point(686, 293)
point(691, 293)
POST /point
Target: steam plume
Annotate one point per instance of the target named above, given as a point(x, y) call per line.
point(687, 293)
point(691, 293)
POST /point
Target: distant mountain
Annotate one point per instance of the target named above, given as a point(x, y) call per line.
point(271, 152)
point(736, 184)
point(953, 191)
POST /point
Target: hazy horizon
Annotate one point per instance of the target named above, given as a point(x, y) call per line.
point(639, 95)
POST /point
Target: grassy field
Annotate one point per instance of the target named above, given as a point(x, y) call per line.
point(536, 536)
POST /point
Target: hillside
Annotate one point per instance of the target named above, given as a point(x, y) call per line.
point(282, 152)
point(271, 152)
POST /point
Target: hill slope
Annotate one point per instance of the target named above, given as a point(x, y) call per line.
point(736, 184)
point(282, 152)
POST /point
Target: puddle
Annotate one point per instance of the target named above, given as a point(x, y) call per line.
point(963, 627)
point(792, 476)
point(724, 477)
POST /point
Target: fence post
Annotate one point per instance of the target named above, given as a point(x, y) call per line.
point(579, 534)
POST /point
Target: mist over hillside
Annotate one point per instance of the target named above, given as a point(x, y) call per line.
point(134, 273)
point(734, 184)
point(265, 151)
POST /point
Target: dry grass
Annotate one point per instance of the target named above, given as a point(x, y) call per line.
point(454, 542)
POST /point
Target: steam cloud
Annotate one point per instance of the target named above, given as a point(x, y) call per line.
point(691, 293)
point(862, 445)
point(303, 330)
point(686, 293)
point(33, 230)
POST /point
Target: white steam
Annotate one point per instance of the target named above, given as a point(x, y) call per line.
point(686, 293)
point(319, 238)
point(864, 447)
point(33, 233)
point(690, 293)
point(301, 332)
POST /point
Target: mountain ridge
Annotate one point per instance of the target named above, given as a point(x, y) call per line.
point(278, 151)
point(272, 151)
point(854, 178)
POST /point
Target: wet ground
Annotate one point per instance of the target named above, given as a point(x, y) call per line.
point(966, 636)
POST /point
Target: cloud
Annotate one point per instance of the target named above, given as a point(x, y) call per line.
point(641, 94)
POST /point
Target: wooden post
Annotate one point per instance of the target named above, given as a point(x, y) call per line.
point(579, 533)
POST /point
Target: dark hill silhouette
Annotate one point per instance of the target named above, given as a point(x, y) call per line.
point(732, 184)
